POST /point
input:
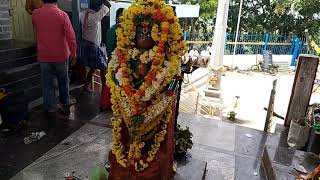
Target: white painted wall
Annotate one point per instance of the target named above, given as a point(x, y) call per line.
point(246, 61)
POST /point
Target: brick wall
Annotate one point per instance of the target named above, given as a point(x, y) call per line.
point(5, 25)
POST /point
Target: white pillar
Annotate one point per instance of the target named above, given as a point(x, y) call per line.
point(219, 39)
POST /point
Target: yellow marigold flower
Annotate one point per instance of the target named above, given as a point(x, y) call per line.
point(122, 163)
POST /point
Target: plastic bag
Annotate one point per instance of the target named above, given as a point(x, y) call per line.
point(35, 136)
point(298, 135)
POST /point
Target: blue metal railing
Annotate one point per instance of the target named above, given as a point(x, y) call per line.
point(252, 43)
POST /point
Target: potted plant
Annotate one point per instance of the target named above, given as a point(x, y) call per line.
point(183, 141)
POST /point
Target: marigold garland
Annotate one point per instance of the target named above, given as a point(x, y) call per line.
point(143, 107)
point(137, 145)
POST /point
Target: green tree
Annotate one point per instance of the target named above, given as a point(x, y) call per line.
point(276, 16)
point(208, 9)
point(308, 16)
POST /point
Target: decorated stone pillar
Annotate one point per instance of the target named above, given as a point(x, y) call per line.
point(216, 62)
point(142, 76)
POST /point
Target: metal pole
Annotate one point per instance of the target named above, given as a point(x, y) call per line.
point(178, 101)
point(237, 33)
point(76, 18)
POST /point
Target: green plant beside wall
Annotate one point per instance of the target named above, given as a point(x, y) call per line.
point(232, 114)
point(183, 141)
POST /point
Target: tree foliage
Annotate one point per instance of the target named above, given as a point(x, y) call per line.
point(260, 16)
point(208, 9)
point(275, 16)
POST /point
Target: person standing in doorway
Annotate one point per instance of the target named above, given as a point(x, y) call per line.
point(105, 100)
point(92, 55)
point(31, 5)
point(56, 43)
point(112, 36)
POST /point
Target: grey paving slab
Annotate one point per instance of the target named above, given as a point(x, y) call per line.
point(103, 119)
point(251, 142)
point(247, 168)
point(84, 150)
point(85, 134)
point(209, 132)
point(190, 169)
point(228, 151)
point(220, 165)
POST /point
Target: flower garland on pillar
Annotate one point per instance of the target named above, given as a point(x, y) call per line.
point(139, 79)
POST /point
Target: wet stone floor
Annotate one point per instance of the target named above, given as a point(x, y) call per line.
point(15, 155)
point(78, 143)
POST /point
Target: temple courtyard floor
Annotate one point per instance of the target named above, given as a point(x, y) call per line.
point(232, 150)
point(253, 90)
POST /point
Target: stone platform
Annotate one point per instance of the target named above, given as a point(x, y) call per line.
point(281, 163)
point(226, 151)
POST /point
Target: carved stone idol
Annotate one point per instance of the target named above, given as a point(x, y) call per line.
point(143, 37)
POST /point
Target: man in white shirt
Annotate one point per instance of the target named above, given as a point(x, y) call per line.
point(92, 28)
point(91, 53)
point(209, 48)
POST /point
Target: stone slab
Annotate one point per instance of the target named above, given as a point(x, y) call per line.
point(103, 119)
point(247, 167)
point(284, 160)
point(212, 93)
point(80, 153)
point(209, 132)
point(221, 163)
point(251, 142)
point(191, 169)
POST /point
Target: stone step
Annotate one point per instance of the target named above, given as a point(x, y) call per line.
point(196, 76)
point(14, 49)
point(17, 74)
point(9, 65)
point(196, 84)
point(19, 70)
point(212, 93)
point(283, 66)
point(210, 106)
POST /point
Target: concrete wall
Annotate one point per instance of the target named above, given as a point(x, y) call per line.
point(5, 24)
point(65, 5)
point(246, 61)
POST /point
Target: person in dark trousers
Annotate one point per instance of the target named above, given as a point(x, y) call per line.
point(112, 35)
point(92, 55)
point(56, 43)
